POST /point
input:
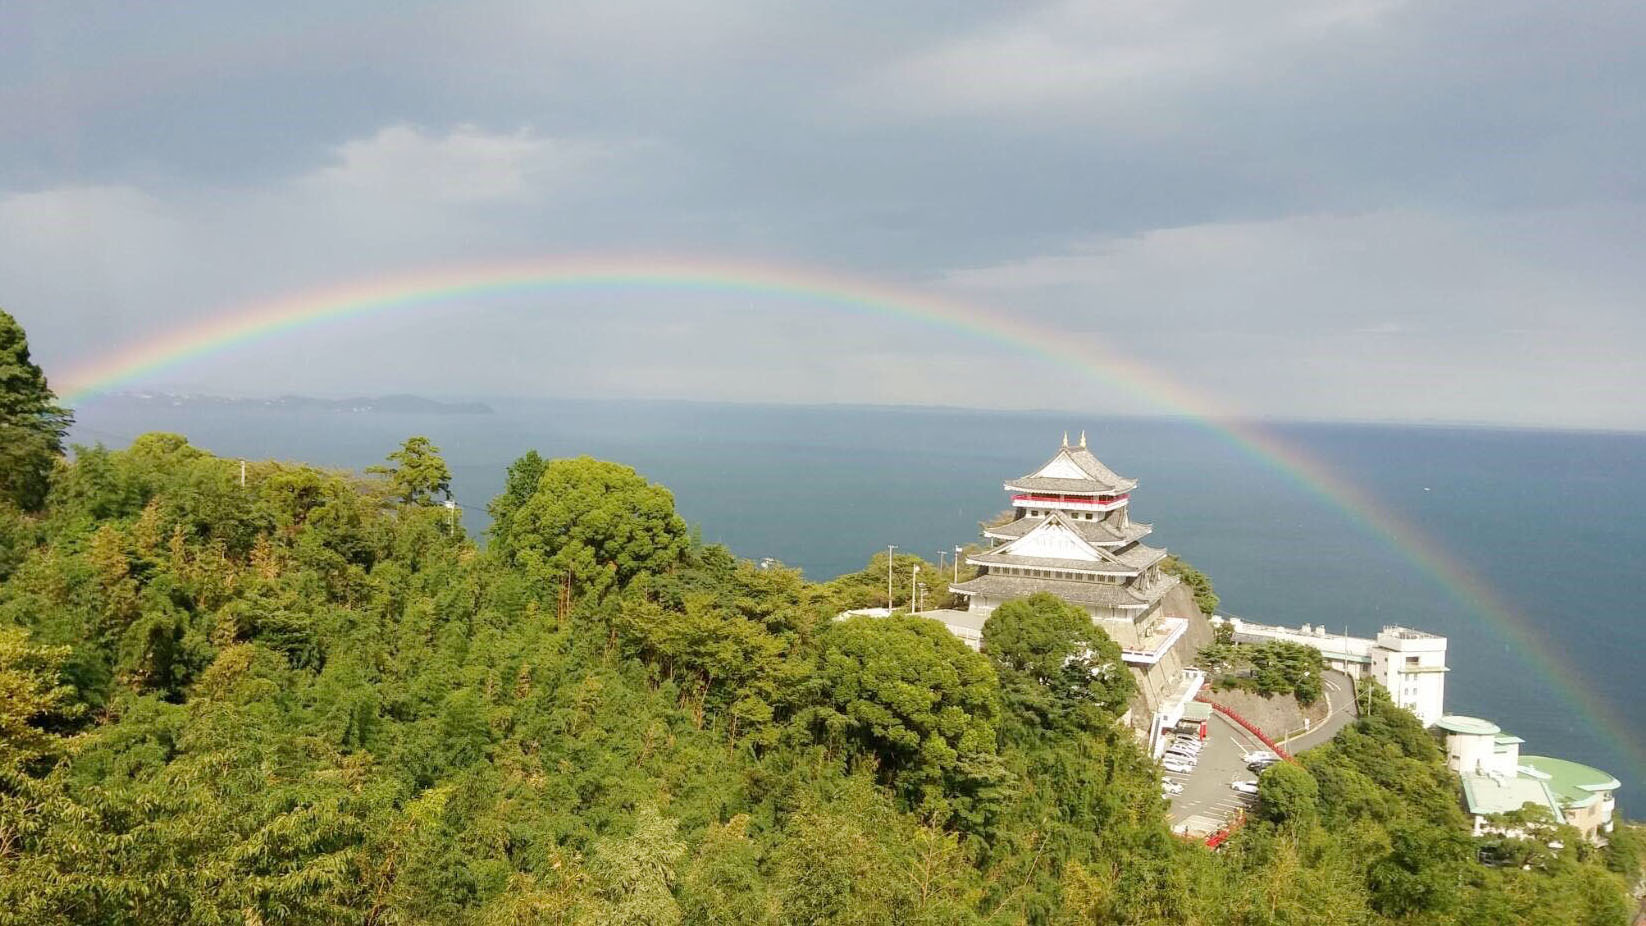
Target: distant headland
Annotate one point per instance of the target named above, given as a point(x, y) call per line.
point(380, 405)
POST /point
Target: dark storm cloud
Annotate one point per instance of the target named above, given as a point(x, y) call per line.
point(1354, 208)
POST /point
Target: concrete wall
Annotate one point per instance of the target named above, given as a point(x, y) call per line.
point(1471, 753)
point(1277, 715)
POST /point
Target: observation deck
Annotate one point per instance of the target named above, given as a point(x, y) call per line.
point(1070, 502)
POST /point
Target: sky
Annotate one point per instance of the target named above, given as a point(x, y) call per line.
point(1338, 209)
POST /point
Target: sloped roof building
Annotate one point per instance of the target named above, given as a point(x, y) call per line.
point(1070, 533)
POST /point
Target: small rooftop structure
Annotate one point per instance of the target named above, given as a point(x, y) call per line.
point(1197, 712)
point(1468, 726)
point(1406, 633)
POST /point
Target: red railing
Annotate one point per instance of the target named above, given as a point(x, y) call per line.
point(1222, 836)
point(1251, 728)
point(1067, 500)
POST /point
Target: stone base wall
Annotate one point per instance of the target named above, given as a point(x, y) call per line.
point(1276, 716)
point(1179, 602)
point(1155, 682)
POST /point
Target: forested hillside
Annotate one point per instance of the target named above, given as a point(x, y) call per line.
point(307, 697)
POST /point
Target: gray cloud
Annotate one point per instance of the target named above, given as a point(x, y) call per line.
point(1359, 208)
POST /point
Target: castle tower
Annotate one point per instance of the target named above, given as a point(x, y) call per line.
point(1070, 533)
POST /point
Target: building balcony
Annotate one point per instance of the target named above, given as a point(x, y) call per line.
point(1071, 502)
point(1152, 648)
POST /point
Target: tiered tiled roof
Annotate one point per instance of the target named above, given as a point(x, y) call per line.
point(1093, 593)
point(1055, 544)
point(1106, 533)
point(1074, 470)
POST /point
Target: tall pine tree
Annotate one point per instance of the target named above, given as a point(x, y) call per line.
point(32, 424)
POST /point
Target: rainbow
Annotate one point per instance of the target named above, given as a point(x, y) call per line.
point(1089, 358)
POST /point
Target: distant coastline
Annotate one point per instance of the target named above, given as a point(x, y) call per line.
point(366, 405)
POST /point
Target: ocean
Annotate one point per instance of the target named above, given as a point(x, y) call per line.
point(1549, 520)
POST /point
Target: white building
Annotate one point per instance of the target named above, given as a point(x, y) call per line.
point(1411, 664)
point(1498, 779)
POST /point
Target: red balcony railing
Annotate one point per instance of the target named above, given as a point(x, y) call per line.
point(1071, 499)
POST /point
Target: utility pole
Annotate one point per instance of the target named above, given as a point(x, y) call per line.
point(242, 474)
point(914, 589)
point(889, 548)
point(940, 555)
point(957, 563)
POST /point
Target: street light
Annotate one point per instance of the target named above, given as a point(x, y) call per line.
point(914, 605)
point(957, 563)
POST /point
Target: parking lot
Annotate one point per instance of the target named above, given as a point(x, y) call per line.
point(1207, 801)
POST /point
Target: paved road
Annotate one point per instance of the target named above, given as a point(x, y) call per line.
point(1340, 696)
point(1207, 801)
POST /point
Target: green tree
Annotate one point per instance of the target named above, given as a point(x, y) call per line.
point(1204, 597)
point(419, 474)
point(1287, 792)
point(1057, 669)
point(924, 705)
point(32, 424)
point(519, 484)
point(723, 883)
point(33, 700)
point(637, 874)
point(600, 524)
point(1420, 872)
point(720, 658)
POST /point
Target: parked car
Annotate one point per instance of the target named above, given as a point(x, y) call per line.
point(1258, 754)
point(1171, 787)
point(1182, 768)
point(1185, 744)
point(1258, 765)
point(1244, 787)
